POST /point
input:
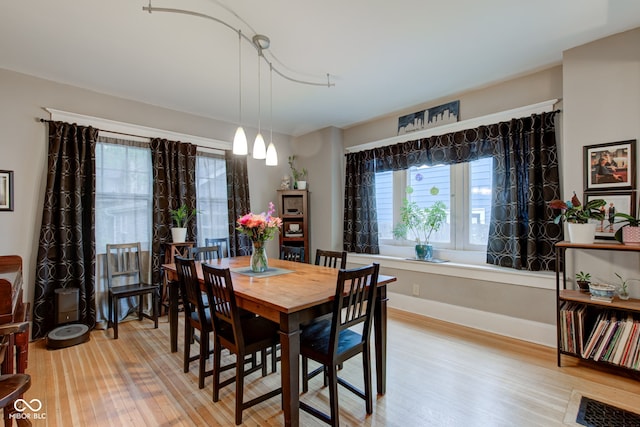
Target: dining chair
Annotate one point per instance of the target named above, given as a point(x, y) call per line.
point(196, 317)
point(123, 266)
point(205, 253)
point(334, 342)
point(240, 335)
point(292, 253)
point(333, 259)
point(222, 243)
point(12, 386)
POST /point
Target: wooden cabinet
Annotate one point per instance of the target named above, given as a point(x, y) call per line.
point(294, 211)
point(600, 332)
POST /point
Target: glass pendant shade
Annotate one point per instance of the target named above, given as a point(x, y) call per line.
point(259, 149)
point(272, 155)
point(240, 142)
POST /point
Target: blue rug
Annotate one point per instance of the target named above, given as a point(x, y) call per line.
point(271, 271)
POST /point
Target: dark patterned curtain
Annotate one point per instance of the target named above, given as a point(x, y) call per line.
point(360, 219)
point(522, 233)
point(238, 201)
point(66, 252)
point(174, 183)
point(525, 180)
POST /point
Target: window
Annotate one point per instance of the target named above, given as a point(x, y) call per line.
point(464, 188)
point(123, 193)
point(211, 194)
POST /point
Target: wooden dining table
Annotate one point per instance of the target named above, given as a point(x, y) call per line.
point(289, 293)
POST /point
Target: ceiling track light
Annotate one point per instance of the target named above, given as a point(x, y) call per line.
point(240, 139)
point(272, 155)
point(259, 150)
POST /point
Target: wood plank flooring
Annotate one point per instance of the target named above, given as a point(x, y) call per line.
point(439, 374)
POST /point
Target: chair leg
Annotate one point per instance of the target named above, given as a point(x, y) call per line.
point(140, 307)
point(305, 374)
point(366, 368)
point(274, 358)
point(110, 317)
point(155, 298)
point(239, 387)
point(187, 345)
point(115, 318)
point(263, 360)
point(333, 394)
point(217, 355)
point(204, 355)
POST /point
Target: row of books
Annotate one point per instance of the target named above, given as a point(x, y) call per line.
point(612, 337)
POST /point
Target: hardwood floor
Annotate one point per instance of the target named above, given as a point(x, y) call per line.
point(438, 375)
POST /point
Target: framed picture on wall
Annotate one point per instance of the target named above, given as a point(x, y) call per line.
point(616, 201)
point(610, 166)
point(6, 190)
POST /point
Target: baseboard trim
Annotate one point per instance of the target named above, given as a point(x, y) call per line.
point(526, 330)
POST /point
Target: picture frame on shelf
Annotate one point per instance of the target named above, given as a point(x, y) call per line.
point(610, 166)
point(6, 190)
point(616, 201)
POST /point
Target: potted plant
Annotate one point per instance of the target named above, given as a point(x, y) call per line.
point(583, 280)
point(577, 217)
point(181, 218)
point(299, 177)
point(623, 289)
point(420, 222)
point(629, 233)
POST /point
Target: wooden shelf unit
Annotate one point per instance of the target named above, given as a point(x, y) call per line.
point(294, 209)
point(592, 307)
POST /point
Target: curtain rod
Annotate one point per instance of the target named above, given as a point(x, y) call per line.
point(136, 136)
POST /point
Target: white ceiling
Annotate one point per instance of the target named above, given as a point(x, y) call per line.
point(382, 55)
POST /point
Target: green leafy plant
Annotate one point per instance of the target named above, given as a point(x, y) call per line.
point(624, 284)
point(421, 222)
point(575, 212)
point(298, 175)
point(583, 277)
point(182, 215)
point(627, 221)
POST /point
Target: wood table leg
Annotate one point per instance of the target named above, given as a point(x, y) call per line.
point(290, 366)
point(173, 315)
point(380, 333)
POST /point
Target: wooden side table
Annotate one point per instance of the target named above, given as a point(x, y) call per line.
point(171, 250)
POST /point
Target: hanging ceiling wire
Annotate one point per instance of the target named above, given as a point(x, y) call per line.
point(251, 41)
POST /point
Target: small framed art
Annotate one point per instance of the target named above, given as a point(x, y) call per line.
point(610, 166)
point(6, 190)
point(616, 201)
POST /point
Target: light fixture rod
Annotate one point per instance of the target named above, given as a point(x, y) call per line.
point(256, 45)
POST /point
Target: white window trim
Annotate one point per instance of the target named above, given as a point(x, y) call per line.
point(114, 129)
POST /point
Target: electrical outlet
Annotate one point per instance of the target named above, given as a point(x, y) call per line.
point(416, 290)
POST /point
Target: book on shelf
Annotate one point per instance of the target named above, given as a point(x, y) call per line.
point(631, 344)
point(623, 340)
point(606, 339)
point(600, 326)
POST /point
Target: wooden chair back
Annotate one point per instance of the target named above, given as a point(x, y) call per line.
point(354, 302)
point(205, 253)
point(224, 309)
point(222, 243)
point(123, 264)
point(292, 253)
point(191, 292)
point(333, 259)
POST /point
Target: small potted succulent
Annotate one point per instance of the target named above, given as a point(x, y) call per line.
point(583, 280)
point(299, 176)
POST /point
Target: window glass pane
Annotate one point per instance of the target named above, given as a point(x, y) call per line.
point(481, 173)
point(422, 179)
point(123, 195)
point(211, 195)
point(384, 204)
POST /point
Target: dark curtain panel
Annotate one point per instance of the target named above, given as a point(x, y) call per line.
point(525, 180)
point(238, 196)
point(174, 183)
point(360, 219)
point(66, 252)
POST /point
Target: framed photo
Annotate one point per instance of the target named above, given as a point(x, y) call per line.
point(618, 201)
point(6, 190)
point(610, 166)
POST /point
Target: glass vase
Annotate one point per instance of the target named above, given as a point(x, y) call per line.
point(259, 260)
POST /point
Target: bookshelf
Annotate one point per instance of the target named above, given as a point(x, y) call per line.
point(294, 211)
point(606, 333)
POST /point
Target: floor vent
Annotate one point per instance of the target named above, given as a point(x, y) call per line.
point(593, 413)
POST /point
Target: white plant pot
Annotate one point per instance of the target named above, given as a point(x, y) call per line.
point(302, 185)
point(581, 233)
point(178, 235)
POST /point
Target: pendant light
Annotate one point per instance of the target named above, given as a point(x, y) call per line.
point(259, 150)
point(240, 138)
point(272, 155)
